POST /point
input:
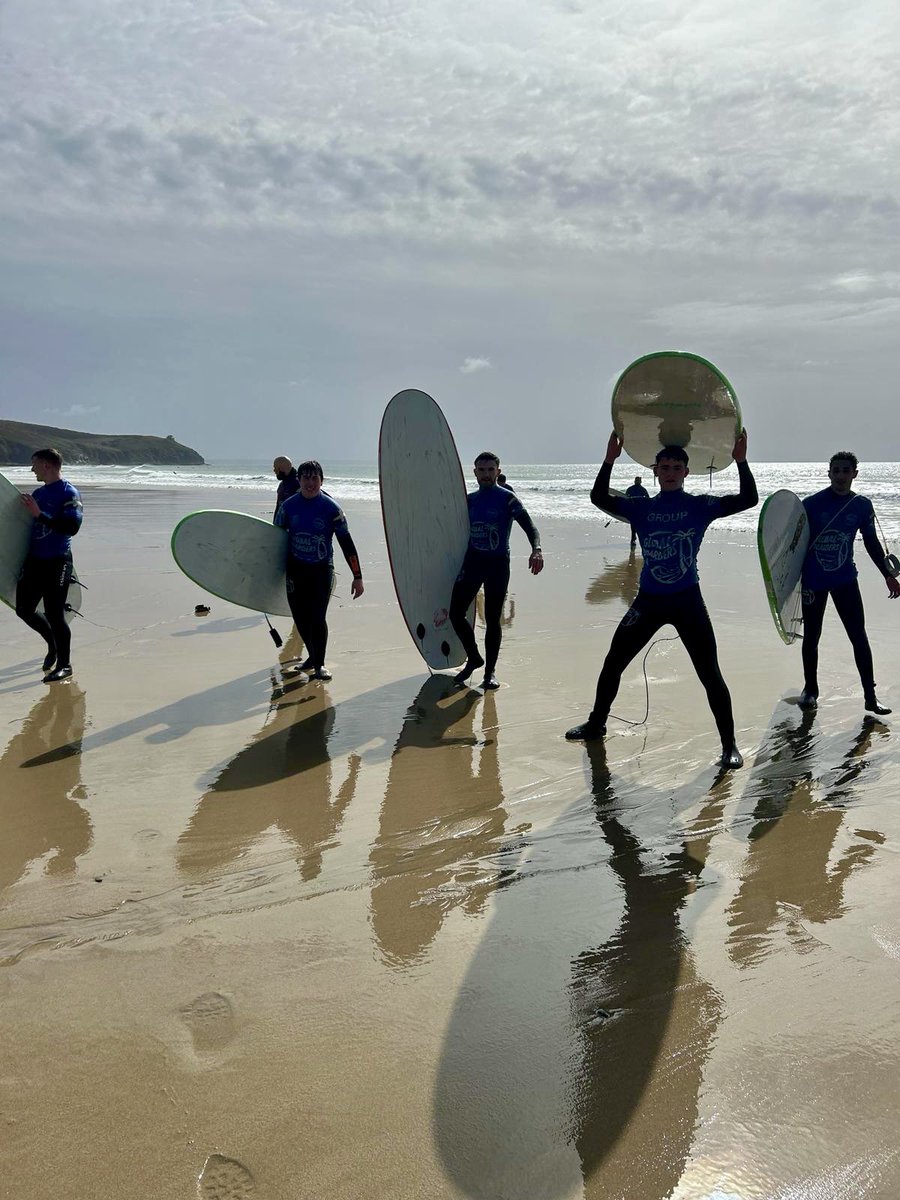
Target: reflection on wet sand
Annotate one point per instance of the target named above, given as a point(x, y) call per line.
point(282, 781)
point(40, 812)
point(571, 1071)
point(790, 875)
point(441, 822)
point(617, 581)
point(646, 1019)
point(507, 614)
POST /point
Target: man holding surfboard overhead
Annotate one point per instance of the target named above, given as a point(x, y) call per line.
point(47, 571)
point(312, 521)
point(836, 515)
point(492, 510)
point(670, 526)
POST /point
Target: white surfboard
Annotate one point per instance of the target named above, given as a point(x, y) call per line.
point(15, 540)
point(782, 539)
point(426, 520)
point(234, 556)
point(673, 398)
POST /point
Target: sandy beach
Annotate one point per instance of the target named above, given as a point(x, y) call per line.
point(388, 937)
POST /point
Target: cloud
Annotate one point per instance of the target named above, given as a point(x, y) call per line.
point(76, 410)
point(471, 365)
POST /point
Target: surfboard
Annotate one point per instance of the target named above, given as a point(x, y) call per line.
point(15, 540)
point(234, 556)
point(782, 539)
point(426, 520)
point(673, 398)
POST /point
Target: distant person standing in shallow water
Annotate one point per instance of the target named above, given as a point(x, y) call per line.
point(47, 573)
point(492, 510)
point(637, 490)
point(671, 527)
point(312, 520)
point(836, 515)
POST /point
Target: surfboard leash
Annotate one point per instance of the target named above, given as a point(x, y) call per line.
point(643, 721)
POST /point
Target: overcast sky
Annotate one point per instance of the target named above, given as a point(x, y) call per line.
point(248, 223)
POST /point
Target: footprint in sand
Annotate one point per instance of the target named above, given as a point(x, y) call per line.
point(210, 1018)
point(224, 1179)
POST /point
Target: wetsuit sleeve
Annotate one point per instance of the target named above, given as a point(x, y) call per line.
point(345, 541)
point(521, 517)
point(619, 506)
point(874, 548)
point(747, 497)
point(68, 522)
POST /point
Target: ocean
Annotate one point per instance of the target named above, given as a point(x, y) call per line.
point(558, 490)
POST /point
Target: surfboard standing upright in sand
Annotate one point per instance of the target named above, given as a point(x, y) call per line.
point(426, 520)
point(782, 539)
point(673, 398)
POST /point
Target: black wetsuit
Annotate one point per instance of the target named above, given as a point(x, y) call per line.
point(670, 526)
point(637, 490)
point(288, 486)
point(47, 572)
point(311, 525)
point(492, 510)
point(829, 570)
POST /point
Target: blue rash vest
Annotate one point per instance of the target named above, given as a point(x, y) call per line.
point(60, 520)
point(492, 510)
point(670, 526)
point(311, 526)
point(834, 522)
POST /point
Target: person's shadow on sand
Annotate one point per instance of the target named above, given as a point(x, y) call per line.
point(567, 1065)
point(40, 811)
point(791, 875)
point(442, 820)
point(283, 780)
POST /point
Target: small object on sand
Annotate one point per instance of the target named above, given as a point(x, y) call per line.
point(201, 610)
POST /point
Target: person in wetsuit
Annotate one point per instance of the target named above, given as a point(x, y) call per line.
point(670, 527)
point(638, 490)
point(312, 520)
point(288, 482)
point(836, 515)
point(492, 510)
point(47, 571)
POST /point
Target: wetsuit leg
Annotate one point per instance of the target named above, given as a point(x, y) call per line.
point(849, 605)
point(465, 589)
point(645, 618)
point(813, 614)
point(309, 590)
point(496, 584)
point(694, 627)
point(47, 580)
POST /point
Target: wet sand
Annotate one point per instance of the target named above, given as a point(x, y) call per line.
point(388, 937)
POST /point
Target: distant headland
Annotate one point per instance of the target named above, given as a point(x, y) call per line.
point(18, 441)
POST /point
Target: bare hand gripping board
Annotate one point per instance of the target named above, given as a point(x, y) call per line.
point(426, 520)
point(782, 539)
point(234, 556)
point(15, 540)
point(673, 398)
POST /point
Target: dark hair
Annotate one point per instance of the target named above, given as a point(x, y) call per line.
point(844, 456)
point(49, 456)
point(677, 452)
point(311, 467)
point(487, 456)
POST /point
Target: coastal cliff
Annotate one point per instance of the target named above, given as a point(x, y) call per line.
point(18, 441)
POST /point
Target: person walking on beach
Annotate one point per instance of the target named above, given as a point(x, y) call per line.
point(638, 490)
point(836, 515)
point(670, 527)
point(312, 520)
point(47, 572)
point(492, 510)
point(288, 483)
